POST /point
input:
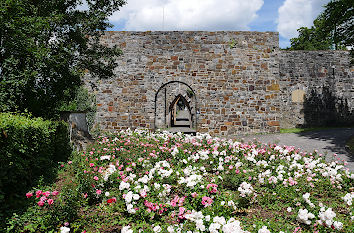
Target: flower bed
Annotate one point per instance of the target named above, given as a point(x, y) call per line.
point(143, 182)
point(179, 183)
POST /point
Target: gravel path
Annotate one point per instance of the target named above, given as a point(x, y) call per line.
point(327, 142)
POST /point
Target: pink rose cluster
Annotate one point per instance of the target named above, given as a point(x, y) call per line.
point(212, 188)
point(207, 201)
point(156, 207)
point(177, 201)
point(43, 197)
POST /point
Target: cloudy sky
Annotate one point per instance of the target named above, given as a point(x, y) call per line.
point(284, 16)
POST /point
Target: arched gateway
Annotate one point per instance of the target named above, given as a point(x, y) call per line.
point(175, 107)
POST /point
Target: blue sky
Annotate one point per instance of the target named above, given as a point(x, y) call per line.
point(284, 16)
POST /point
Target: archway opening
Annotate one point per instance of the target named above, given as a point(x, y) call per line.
point(180, 112)
point(176, 108)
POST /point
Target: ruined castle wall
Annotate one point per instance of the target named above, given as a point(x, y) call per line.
point(317, 87)
point(235, 77)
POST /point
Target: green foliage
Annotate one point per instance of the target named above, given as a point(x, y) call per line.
point(333, 29)
point(29, 149)
point(83, 102)
point(339, 22)
point(45, 49)
point(312, 38)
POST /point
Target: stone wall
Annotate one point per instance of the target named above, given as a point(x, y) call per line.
point(241, 82)
point(234, 76)
point(314, 83)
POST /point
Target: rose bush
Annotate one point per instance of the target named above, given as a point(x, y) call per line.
point(137, 181)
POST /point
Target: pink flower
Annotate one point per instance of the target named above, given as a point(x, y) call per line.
point(70, 162)
point(237, 171)
point(92, 164)
point(47, 193)
point(54, 193)
point(181, 212)
point(38, 193)
point(98, 192)
point(143, 193)
point(50, 201)
point(40, 203)
point(28, 195)
point(85, 195)
point(212, 188)
point(43, 198)
point(95, 178)
point(207, 201)
point(194, 194)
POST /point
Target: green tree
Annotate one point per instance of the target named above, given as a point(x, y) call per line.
point(333, 28)
point(313, 38)
point(339, 22)
point(46, 46)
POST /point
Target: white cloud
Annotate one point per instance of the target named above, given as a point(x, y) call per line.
point(210, 15)
point(294, 14)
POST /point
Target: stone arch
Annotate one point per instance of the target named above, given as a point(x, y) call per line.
point(166, 97)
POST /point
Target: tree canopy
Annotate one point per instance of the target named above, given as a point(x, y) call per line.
point(332, 29)
point(45, 48)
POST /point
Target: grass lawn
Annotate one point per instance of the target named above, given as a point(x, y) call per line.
point(301, 130)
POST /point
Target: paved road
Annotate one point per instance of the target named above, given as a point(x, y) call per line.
point(327, 142)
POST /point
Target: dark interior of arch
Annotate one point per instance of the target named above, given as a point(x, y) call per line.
point(180, 121)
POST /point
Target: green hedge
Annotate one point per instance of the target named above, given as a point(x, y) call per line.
point(29, 149)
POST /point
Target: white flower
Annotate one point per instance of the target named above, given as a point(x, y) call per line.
point(174, 152)
point(126, 229)
point(124, 185)
point(233, 226)
point(306, 197)
point(170, 229)
point(263, 230)
point(207, 218)
point(289, 209)
point(106, 194)
point(338, 225)
point(109, 171)
point(105, 157)
point(304, 216)
point(245, 189)
point(144, 179)
point(128, 197)
point(348, 198)
point(199, 225)
point(64, 229)
point(221, 220)
point(130, 209)
point(157, 229)
point(214, 227)
point(327, 216)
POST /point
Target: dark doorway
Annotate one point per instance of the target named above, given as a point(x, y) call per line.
point(180, 112)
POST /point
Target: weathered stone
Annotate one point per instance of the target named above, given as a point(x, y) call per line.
point(298, 96)
point(246, 89)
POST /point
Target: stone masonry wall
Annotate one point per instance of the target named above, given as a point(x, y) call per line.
point(304, 76)
point(235, 77)
point(242, 82)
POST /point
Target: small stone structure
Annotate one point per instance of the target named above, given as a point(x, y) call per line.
point(78, 129)
point(232, 82)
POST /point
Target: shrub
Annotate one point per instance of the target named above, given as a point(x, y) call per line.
point(29, 148)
